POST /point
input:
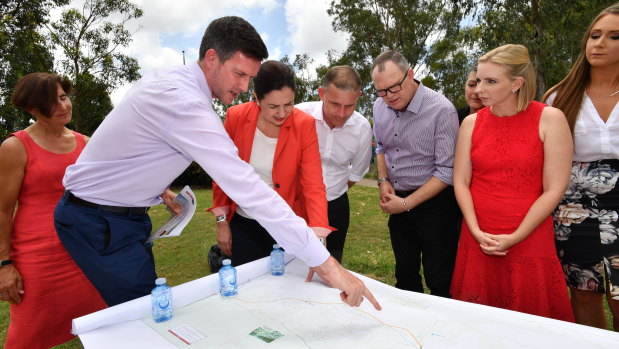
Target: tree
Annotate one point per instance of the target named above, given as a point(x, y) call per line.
point(551, 30)
point(23, 50)
point(89, 44)
point(306, 83)
point(375, 26)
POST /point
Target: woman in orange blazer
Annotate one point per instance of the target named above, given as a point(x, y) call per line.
point(280, 142)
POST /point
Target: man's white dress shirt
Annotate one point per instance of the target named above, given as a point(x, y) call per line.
point(345, 152)
point(166, 121)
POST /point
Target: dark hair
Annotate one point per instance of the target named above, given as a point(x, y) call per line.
point(343, 77)
point(39, 91)
point(273, 75)
point(394, 56)
point(230, 34)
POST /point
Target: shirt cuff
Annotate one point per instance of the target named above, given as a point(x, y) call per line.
point(219, 211)
point(355, 178)
point(315, 254)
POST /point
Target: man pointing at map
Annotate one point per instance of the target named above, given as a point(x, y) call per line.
point(165, 122)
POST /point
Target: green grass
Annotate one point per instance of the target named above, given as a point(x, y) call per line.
point(184, 258)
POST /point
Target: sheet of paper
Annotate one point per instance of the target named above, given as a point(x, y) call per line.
point(174, 226)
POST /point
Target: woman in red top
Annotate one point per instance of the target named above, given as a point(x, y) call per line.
point(45, 287)
point(280, 142)
point(512, 165)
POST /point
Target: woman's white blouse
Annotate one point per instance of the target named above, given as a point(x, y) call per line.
point(594, 139)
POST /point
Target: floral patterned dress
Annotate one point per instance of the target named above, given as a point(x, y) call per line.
point(586, 227)
point(507, 158)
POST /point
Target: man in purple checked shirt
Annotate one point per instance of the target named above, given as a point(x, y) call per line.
point(416, 129)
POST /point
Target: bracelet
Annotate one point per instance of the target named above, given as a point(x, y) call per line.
point(404, 204)
point(5, 262)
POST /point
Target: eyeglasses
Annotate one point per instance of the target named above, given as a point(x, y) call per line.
point(393, 88)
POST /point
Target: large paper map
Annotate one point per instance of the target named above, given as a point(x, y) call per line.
point(286, 312)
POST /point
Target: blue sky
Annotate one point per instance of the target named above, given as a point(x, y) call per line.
point(169, 27)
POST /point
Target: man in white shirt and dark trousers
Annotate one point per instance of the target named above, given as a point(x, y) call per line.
point(345, 141)
point(166, 121)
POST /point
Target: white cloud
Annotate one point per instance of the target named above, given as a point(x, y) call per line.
point(311, 31)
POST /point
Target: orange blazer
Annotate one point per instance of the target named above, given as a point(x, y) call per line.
point(297, 170)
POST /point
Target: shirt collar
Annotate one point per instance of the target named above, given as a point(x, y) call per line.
point(196, 71)
point(415, 103)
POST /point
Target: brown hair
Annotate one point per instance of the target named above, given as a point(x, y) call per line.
point(39, 91)
point(343, 77)
point(571, 90)
point(516, 59)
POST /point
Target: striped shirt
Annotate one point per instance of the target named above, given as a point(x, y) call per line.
point(418, 142)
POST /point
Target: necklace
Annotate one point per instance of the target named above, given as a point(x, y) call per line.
point(603, 95)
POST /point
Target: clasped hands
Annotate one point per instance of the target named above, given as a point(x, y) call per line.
point(494, 245)
point(391, 203)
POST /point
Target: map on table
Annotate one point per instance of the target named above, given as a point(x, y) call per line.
point(286, 312)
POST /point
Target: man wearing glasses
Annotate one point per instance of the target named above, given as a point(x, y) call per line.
point(415, 130)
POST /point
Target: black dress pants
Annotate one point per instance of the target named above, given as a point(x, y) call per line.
point(426, 235)
point(250, 241)
point(339, 218)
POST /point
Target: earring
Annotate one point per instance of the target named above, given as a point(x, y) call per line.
point(514, 91)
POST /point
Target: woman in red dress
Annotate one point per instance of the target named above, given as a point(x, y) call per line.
point(512, 166)
point(38, 278)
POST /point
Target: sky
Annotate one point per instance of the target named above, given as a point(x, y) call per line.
point(167, 28)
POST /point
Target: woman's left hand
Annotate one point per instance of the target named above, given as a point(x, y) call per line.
point(505, 242)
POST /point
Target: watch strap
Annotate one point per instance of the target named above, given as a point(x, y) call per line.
point(382, 179)
point(5, 262)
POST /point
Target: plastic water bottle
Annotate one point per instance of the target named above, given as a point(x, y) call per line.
point(227, 279)
point(277, 260)
point(161, 298)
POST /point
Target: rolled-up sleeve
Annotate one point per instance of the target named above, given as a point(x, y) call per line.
point(361, 162)
point(445, 144)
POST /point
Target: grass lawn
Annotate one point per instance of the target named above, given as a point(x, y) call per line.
point(182, 259)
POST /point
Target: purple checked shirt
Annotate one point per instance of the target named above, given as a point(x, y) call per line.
point(418, 142)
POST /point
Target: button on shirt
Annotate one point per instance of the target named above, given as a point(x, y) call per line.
point(345, 152)
point(594, 139)
point(165, 121)
point(418, 142)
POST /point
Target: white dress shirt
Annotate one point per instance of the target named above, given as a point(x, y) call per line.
point(166, 121)
point(594, 139)
point(345, 152)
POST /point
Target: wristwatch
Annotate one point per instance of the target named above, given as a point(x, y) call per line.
point(323, 241)
point(5, 262)
point(382, 179)
point(219, 219)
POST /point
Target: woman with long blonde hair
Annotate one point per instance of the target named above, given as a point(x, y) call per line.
point(511, 168)
point(586, 221)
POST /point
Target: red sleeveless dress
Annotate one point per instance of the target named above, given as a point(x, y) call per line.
point(507, 159)
point(55, 289)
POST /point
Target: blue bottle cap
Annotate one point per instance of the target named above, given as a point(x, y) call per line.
point(226, 262)
point(160, 281)
point(275, 247)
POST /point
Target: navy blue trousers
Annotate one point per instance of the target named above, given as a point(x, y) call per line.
point(110, 249)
